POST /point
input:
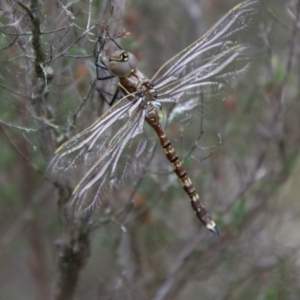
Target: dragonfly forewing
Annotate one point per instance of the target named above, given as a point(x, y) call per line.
point(213, 79)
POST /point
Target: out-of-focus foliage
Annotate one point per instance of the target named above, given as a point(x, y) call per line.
point(249, 183)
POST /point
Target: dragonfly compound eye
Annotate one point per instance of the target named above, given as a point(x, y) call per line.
point(122, 63)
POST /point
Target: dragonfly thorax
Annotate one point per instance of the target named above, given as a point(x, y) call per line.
point(122, 63)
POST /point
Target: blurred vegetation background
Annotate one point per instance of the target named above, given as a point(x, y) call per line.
point(250, 183)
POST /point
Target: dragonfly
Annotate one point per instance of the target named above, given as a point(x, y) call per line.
point(116, 149)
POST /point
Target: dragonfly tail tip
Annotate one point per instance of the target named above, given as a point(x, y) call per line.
point(215, 230)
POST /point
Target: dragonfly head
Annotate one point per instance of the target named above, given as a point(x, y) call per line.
point(122, 63)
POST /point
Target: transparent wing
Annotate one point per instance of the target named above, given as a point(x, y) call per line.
point(206, 70)
point(213, 79)
point(211, 54)
point(105, 156)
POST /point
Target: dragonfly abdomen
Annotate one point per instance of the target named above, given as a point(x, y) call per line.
point(187, 184)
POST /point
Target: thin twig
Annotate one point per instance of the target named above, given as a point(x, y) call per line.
point(26, 159)
point(292, 45)
point(180, 260)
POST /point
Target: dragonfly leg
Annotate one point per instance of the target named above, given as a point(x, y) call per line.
point(103, 94)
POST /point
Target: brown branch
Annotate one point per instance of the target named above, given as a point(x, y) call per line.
point(38, 48)
point(292, 45)
point(74, 250)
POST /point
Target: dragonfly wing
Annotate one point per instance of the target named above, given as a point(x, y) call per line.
point(214, 79)
point(107, 155)
point(206, 70)
point(89, 144)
